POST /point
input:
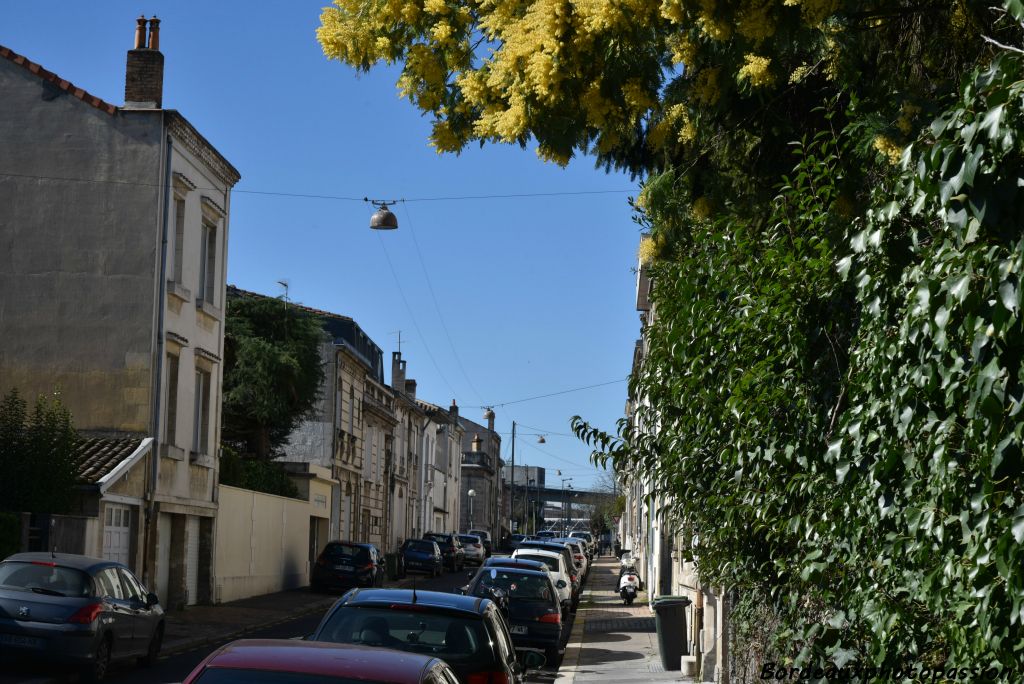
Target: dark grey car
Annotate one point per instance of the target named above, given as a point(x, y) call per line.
point(64, 608)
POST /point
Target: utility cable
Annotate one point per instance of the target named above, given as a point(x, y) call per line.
point(342, 198)
point(437, 307)
point(552, 394)
point(413, 317)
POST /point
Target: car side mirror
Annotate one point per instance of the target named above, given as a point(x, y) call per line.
point(464, 590)
point(470, 574)
point(561, 584)
point(151, 600)
point(532, 660)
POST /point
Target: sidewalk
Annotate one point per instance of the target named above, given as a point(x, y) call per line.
point(198, 626)
point(612, 641)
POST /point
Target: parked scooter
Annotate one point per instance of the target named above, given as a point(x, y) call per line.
point(629, 579)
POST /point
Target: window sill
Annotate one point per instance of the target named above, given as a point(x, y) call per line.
point(178, 290)
point(204, 460)
point(172, 452)
point(208, 309)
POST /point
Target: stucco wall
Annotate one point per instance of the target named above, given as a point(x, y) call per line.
point(262, 544)
point(77, 257)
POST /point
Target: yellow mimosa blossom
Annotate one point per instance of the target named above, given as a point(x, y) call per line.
point(799, 73)
point(683, 50)
point(647, 250)
point(756, 20)
point(444, 139)
point(673, 11)
point(756, 70)
point(548, 154)
point(889, 149)
point(705, 87)
point(638, 98)
point(442, 33)
point(905, 122)
point(435, 6)
point(701, 208)
point(814, 11)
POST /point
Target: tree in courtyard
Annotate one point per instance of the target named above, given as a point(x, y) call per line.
point(272, 372)
point(36, 455)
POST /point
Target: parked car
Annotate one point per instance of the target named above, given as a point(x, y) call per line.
point(77, 610)
point(575, 573)
point(451, 549)
point(343, 565)
point(546, 533)
point(589, 538)
point(510, 562)
point(287, 661)
point(556, 566)
point(422, 555)
point(533, 609)
point(515, 540)
point(468, 633)
point(473, 547)
point(486, 536)
point(578, 549)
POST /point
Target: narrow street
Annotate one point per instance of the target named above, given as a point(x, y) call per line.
point(175, 667)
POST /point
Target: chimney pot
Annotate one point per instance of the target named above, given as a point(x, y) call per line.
point(154, 33)
point(144, 73)
point(140, 32)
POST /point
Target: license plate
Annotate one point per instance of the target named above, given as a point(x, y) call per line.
point(519, 629)
point(344, 567)
point(20, 641)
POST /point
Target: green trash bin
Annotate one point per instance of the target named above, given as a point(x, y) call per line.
point(670, 619)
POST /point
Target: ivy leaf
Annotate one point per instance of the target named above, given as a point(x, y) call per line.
point(1009, 294)
point(959, 287)
point(991, 122)
point(1018, 526)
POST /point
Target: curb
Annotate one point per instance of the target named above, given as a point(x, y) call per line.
point(185, 645)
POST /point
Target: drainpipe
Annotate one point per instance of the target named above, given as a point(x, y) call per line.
point(149, 534)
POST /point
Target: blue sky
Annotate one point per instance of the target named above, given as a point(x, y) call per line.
point(498, 300)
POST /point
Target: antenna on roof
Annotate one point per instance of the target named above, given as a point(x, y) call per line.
point(414, 590)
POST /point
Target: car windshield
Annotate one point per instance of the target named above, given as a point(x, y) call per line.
point(453, 638)
point(338, 551)
point(45, 578)
point(421, 546)
point(516, 585)
point(232, 675)
point(549, 561)
point(465, 539)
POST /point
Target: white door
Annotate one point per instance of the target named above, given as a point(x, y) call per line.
point(117, 533)
point(192, 559)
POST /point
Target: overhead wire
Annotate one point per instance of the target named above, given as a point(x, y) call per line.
point(342, 198)
point(437, 307)
point(551, 394)
point(415, 323)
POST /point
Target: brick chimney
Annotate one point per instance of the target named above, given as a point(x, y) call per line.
point(144, 74)
point(453, 411)
point(397, 371)
point(410, 388)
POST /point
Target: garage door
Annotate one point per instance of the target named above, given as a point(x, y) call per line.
point(192, 559)
point(117, 533)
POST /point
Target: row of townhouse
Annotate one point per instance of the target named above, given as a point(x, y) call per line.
point(114, 228)
point(657, 540)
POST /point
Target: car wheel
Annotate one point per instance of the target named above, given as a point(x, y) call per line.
point(96, 671)
point(153, 652)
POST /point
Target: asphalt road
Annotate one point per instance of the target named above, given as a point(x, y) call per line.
point(176, 667)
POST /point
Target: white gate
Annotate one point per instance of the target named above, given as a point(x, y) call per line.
point(117, 535)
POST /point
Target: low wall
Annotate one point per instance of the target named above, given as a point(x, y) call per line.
point(262, 544)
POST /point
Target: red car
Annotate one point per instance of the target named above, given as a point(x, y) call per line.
point(287, 661)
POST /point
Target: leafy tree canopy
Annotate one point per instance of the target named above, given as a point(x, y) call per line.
point(272, 372)
point(36, 455)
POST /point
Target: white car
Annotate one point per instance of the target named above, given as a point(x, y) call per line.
point(579, 553)
point(588, 538)
point(474, 548)
point(486, 537)
point(559, 573)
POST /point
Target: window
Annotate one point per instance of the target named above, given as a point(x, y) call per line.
point(201, 426)
point(109, 583)
point(171, 422)
point(179, 236)
point(208, 263)
point(132, 587)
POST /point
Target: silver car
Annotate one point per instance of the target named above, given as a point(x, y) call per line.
point(473, 545)
point(64, 608)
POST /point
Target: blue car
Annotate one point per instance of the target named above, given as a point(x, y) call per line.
point(422, 555)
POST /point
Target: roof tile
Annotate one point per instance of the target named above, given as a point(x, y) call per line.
point(97, 456)
point(61, 83)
